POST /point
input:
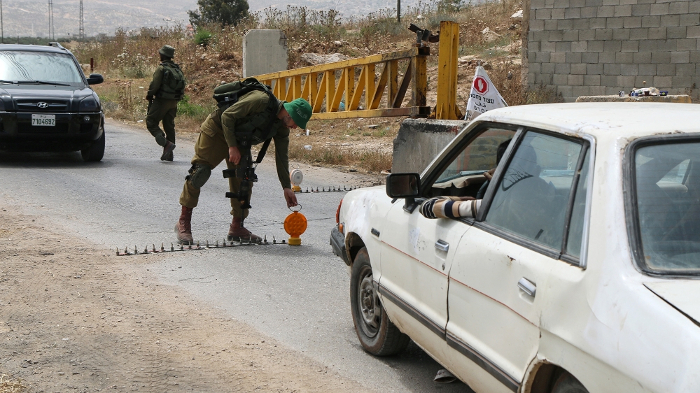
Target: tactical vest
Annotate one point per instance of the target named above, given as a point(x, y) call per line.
point(172, 86)
point(257, 127)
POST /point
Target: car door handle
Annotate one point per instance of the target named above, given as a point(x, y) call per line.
point(442, 245)
point(527, 286)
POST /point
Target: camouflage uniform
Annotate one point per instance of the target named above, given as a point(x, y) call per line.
point(161, 108)
point(218, 134)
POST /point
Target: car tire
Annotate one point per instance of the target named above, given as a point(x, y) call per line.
point(96, 150)
point(377, 334)
point(566, 383)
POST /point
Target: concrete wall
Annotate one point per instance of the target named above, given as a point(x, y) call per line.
point(419, 141)
point(598, 47)
point(264, 50)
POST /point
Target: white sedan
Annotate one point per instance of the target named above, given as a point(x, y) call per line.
point(577, 270)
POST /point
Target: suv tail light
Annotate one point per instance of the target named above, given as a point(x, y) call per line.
point(337, 212)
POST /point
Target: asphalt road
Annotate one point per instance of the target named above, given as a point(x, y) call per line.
point(297, 295)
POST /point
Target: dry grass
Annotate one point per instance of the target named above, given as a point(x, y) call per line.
point(128, 60)
point(12, 385)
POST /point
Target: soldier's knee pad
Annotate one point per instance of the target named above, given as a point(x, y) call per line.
point(199, 174)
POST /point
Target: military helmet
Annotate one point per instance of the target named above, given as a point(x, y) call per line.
point(167, 51)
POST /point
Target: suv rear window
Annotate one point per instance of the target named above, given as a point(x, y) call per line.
point(20, 66)
point(667, 196)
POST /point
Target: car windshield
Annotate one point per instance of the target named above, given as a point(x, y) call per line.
point(667, 180)
point(29, 66)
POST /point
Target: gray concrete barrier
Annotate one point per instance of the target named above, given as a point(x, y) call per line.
point(419, 141)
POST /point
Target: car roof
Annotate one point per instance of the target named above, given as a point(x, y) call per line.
point(632, 119)
point(33, 48)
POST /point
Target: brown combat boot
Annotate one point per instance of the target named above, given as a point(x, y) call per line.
point(183, 228)
point(167, 151)
point(237, 233)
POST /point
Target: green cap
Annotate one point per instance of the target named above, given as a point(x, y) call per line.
point(167, 51)
point(300, 111)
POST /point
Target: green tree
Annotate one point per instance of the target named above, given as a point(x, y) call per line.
point(225, 12)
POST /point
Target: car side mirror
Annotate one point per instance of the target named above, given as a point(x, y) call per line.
point(95, 79)
point(404, 185)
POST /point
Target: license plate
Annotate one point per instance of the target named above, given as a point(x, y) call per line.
point(44, 120)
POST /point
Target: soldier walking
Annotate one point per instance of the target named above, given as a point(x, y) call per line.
point(228, 134)
point(166, 89)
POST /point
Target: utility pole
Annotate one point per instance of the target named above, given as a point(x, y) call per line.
point(81, 33)
point(51, 27)
point(398, 11)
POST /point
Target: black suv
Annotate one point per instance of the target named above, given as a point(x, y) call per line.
point(46, 103)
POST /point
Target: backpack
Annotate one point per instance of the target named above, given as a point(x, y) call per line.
point(229, 93)
point(173, 84)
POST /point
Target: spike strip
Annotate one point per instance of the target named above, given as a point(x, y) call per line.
point(196, 247)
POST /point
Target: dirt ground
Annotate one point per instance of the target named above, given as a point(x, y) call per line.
point(77, 318)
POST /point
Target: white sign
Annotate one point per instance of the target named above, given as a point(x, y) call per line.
point(483, 96)
point(44, 120)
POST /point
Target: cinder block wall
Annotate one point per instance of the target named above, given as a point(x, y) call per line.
point(597, 47)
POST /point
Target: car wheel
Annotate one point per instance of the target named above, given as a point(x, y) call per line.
point(377, 334)
point(566, 383)
point(96, 150)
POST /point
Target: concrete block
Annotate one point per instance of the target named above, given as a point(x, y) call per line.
point(560, 79)
point(579, 46)
point(596, 46)
point(557, 57)
point(651, 21)
point(680, 57)
point(676, 32)
point(589, 12)
point(594, 69)
point(647, 70)
point(670, 20)
point(591, 80)
point(548, 46)
point(534, 4)
point(264, 51)
point(684, 81)
point(609, 80)
point(607, 57)
point(657, 33)
point(650, 45)
point(623, 10)
point(583, 25)
point(572, 13)
point(607, 11)
point(535, 67)
point(659, 9)
point(694, 7)
point(663, 82)
point(629, 69)
point(612, 46)
point(695, 57)
point(632, 22)
point(611, 2)
point(566, 25)
point(551, 25)
point(687, 44)
point(661, 57)
point(578, 69)
point(594, 3)
point(543, 79)
point(589, 58)
point(597, 23)
point(678, 7)
point(614, 23)
point(569, 34)
point(685, 69)
point(668, 45)
point(603, 34)
point(581, 91)
point(624, 58)
point(690, 20)
point(577, 3)
point(536, 25)
point(630, 46)
point(543, 57)
point(693, 32)
point(556, 35)
point(543, 13)
point(622, 35)
point(563, 47)
point(573, 57)
point(625, 80)
point(596, 90)
point(641, 9)
point(586, 34)
point(611, 69)
point(419, 141)
point(642, 57)
point(562, 4)
point(639, 34)
point(548, 68)
point(562, 68)
point(567, 92)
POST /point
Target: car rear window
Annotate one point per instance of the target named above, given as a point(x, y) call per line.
point(38, 66)
point(667, 196)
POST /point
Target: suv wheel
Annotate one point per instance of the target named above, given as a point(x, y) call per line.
point(96, 151)
point(377, 334)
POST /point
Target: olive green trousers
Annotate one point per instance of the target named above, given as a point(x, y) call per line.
point(162, 110)
point(211, 149)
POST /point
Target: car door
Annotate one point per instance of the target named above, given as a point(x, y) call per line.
point(417, 252)
point(530, 226)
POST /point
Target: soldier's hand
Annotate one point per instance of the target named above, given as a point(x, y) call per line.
point(234, 155)
point(290, 197)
